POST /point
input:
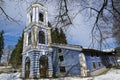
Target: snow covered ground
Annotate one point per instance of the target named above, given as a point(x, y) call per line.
point(10, 76)
point(113, 74)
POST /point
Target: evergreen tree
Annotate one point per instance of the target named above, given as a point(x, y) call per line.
point(62, 37)
point(57, 35)
point(49, 24)
point(16, 56)
point(1, 43)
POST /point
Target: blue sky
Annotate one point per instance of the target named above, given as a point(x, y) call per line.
point(77, 34)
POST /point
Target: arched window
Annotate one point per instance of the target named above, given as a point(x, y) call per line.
point(29, 39)
point(41, 37)
point(40, 17)
point(31, 17)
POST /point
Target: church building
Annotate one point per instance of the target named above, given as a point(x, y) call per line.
point(42, 59)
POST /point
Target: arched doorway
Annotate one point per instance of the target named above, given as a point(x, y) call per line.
point(43, 66)
point(27, 67)
point(83, 65)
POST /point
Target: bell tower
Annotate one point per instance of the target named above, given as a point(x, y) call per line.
point(36, 46)
point(37, 32)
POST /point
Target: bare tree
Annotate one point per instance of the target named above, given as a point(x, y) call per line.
point(116, 24)
point(3, 13)
point(102, 10)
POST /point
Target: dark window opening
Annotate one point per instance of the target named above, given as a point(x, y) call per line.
point(106, 61)
point(61, 58)
point(29, 39)
point(62, 69)
point(99, 63)
point(92, 54)
point(40, 17)
point(97, 54)
point(94, 65)
point(41, 37)
point(31, 17)
point(59, 50)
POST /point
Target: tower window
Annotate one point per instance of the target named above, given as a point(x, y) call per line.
point(31, 17)
point(41, 37)
point(40, 17)
point(29, 39)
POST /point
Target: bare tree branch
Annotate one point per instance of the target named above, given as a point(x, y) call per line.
point(114, 7)
point(64, 19)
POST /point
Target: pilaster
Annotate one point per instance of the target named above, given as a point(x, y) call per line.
point(50, 67)
point(37, 14)
point(33, 18)
point(24, 41)
point(34, 36)
point(49, 37)
point(46, 18)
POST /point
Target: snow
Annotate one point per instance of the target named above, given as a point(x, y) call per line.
point(74, 78)
point(112, 74)
point(109, 50)
point(10, 76)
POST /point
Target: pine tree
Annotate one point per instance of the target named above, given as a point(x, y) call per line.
point(57, 35)
point(62, 37)
point(16, 56)
point(1, 43)
point(49, 24)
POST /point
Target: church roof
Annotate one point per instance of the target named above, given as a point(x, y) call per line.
point(80, 48)
point(68, 46)
point(96, 51)
point(37, 2)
